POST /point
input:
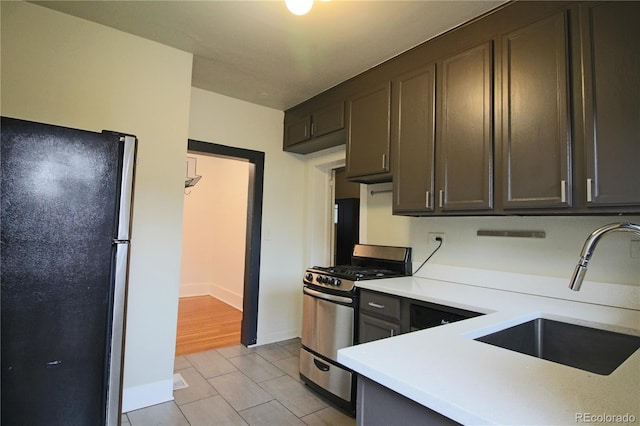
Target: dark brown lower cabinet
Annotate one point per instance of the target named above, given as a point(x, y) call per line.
point(372, 328)
point(380, 316)
point(379, 405)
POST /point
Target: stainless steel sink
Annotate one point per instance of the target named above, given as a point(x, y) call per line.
point(586, 348)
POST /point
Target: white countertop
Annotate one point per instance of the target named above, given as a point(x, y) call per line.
point(444, 369)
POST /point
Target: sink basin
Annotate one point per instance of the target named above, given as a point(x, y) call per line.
point(586, 348)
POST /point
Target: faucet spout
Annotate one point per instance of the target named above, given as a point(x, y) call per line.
point(590, 246)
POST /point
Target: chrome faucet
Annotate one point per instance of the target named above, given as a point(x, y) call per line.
point(590, 246)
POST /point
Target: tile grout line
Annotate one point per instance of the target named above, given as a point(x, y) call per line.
point(207, 380)
point(241, 372)
point(269, 364)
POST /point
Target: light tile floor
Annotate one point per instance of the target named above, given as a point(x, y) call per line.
point(236, 385)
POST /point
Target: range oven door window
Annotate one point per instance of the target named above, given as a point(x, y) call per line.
point(327, 323)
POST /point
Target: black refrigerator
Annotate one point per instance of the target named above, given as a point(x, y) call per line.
point(65, 225)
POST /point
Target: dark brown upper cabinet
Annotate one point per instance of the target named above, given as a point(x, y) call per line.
point(532, 109)
point(610, 33)
point(297, 131)
point(413, 139)
point(307, 132)
point(536, 141)
point(464, 131)
point(368, 135)
point(327, 120)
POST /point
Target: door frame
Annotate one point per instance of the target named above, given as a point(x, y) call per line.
point(249, 327)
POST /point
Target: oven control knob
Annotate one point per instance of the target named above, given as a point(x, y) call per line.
point(337, 282)
point(309, 277)
point(322, 279)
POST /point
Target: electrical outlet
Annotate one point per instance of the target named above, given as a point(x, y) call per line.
point(635, 249)
point(432, 238)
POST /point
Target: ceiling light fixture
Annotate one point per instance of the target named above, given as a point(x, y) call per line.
point(299, 7)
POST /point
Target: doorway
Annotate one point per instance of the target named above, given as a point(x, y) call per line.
point(250, 264)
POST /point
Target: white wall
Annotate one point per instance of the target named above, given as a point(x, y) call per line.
point(320, 204)
point(219, 119)
point(555, 256)
point(62, 70)
point(215, 229)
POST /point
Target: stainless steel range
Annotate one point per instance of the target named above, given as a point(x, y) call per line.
point(330, 317)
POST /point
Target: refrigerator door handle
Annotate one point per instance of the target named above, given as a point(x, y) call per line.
point(126, 186)
point(121, 245)
point(116, 351)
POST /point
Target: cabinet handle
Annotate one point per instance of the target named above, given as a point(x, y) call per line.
point(428, 203)
point(392, 332)
point(313, 128)
point(376, 305)
point(563, 191)
point(589, 190)
point(441, 197)
point(384, 161)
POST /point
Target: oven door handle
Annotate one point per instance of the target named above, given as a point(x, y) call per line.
point(325, 296)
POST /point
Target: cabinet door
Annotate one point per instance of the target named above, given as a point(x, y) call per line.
point(413, 138)
point(381, 305)
point(611, 73)
point(328, 119)
point(379, 405)
point(368, 139)
point(298, 131)
point(371, 328)
point(536, 155)
point(465, 135)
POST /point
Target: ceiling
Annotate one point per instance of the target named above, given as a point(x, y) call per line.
point(259, 52)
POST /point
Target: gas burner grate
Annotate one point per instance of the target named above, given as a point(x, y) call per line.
point(357, 272)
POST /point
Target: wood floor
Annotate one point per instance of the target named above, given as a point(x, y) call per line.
point(206, 323)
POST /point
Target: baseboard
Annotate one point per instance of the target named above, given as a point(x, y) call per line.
point(209, 289)
point(276, 337)
point(227, 296)
point(136, 397)
point(195, 289)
